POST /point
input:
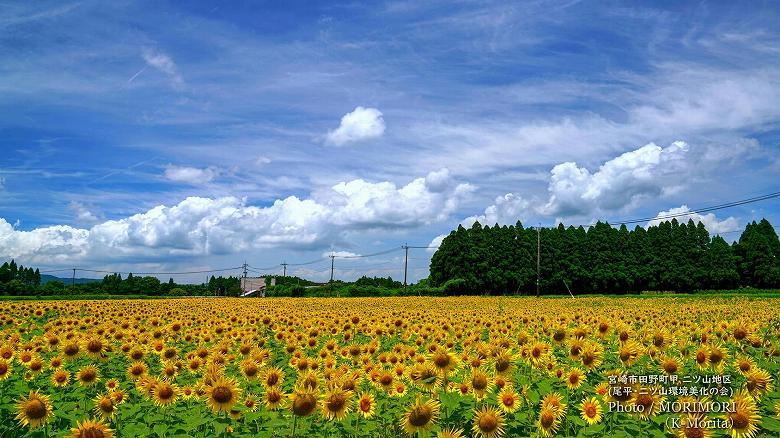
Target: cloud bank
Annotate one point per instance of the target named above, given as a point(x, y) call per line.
point(213, 226)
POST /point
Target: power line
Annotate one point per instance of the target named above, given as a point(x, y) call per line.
point(158, 273)
point(360, 256)
point(700, 210)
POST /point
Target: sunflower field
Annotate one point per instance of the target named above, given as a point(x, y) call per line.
point(391, 367)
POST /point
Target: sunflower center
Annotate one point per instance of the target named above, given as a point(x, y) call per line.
point(694, 433)
point(35, 409)
point(645, 401)
point(165, 392)
point(272, 379)
point(335, 403)
point(739, 421)
point(488, 422)
point(701, 357)
point(94, 346)
point(716, 357)
point(221, 394)
point(304, 405)
point(590, 411)
point(442, 361)
point(91, 432)
point(502, 365)
point(420, 416)
point(250, 371)
point(508, 400)
point(88, 375)
point(106, 405)
point(670, 367)
point(274, 397)
point(547, 419)
point(365, 405)
point(479, 382)
point(587, 359)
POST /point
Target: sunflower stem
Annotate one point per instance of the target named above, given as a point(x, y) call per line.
point(295, 423)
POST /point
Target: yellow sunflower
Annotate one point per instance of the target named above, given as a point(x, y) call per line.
point(548, 422)
point(336, 404)
point(590, 411)
point(91, 429)
point(366, 405)
point(508, 400)
point(105, 406)
point(222, 394)
point(34, 410)
point(450, 433)
point(273, 398)
point(488, 423)
point(745, 418)
point(420, 417)
point(303, 401)
point(165, 393)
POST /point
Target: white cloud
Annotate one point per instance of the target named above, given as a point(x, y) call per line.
point(262, 160)
point(163, 63)
point(340, 254)
point(435, 243)
point(505, 210)
point(618, 184)
point(361, 124)
point(190, 175)
point(201, 226)
point(83, 214)
point(710, 221)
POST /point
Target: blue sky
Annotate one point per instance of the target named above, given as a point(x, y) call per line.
point(164, 136)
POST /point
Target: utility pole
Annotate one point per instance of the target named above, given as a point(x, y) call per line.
point(284, 272)
point(538, 256)
point(242, 283)
point(406, 262)
point(332, 259)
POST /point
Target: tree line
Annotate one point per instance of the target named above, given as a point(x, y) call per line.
point(20, 281)
point(670, 256)
point(13, 278)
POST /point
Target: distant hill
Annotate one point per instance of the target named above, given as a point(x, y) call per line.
point(45, 278)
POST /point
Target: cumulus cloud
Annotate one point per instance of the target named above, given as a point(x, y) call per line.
point(340, 254)
point(201, 226)
point(435, 243)
point(190, 175)
point(505, 210)
point(358, 125)
point(163, 63)
point(83, 214)
point(710, 221)
point(618, 183)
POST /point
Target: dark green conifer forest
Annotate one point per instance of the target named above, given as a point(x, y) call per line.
point(671, 256)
